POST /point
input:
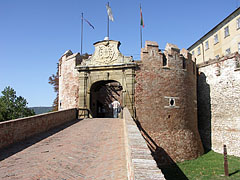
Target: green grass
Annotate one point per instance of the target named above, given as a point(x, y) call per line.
point(210, 166)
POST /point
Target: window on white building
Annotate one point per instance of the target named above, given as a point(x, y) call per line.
point(215, 39)
point(228, 51)
point(238, 23)
point(217, 56)
point(226, 31)
point(198, 51)
point(206, 45)
point(193, 53)
point(239, 48)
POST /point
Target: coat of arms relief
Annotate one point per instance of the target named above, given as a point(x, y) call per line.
point(106, 53)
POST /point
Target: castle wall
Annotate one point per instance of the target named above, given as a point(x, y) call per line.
point(68, 81)
point(19, 129)
point(166, 100)
point(218, 104)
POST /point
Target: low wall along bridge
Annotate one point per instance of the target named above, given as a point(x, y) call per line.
point(59, 146)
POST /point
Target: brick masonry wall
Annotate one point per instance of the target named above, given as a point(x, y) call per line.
point(16, 130)
point(68, 81)
point(218, 104)
point(173, 128)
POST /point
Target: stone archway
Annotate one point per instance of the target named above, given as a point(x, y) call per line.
point(104, 68)
point(102, 94)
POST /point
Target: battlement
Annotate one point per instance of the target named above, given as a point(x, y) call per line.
point(170, 58)
point(166, 100)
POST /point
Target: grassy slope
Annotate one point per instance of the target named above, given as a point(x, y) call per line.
point(211, 166)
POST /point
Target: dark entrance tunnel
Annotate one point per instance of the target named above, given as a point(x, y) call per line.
point(102, 94)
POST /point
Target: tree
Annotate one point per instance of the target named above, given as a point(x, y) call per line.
point(54, 80)
point(3, 110)
point(12, 106)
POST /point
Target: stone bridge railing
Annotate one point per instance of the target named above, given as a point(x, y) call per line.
point(140, 163)
point(19, 129)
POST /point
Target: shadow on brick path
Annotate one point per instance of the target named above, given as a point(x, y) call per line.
point(164, 162)
point(19, 146)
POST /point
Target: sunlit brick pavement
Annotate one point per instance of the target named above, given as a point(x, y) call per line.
point(90, 149)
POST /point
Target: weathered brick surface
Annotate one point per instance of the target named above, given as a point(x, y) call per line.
point(68, 81)
point(174, 128)
point(218, 104)
point(16, 130)
point(91, 149)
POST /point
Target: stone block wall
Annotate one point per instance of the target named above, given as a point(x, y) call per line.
point(123, 74)
point(68, 81)
point(166, 100)
point(219, 103)
point(140, 163)
point(16, 130)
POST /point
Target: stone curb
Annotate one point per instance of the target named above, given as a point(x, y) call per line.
point(140, 163)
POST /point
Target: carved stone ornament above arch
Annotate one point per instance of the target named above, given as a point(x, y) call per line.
point(106, 54)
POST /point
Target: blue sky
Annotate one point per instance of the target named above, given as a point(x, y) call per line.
point(35, 33)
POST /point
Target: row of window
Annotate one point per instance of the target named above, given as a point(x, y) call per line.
point(216, 40)
point(228, 51)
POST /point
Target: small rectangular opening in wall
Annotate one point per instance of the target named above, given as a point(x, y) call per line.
point(239, 48)
point(194, 70)
point(164, 60)
point(237, 64)
point(184, 63)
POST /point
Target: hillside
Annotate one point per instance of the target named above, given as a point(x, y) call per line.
point(40, 110)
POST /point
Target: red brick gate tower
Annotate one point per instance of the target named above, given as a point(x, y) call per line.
point(166, 100)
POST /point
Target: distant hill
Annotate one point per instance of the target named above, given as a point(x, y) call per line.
point(41, 110)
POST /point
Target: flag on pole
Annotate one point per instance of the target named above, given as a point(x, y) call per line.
point(141, 23)
point(109, 11)
point(89, 23)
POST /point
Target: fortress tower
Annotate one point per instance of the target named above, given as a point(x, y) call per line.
point(166, 100)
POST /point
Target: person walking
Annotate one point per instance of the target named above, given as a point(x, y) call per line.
point(115, 105)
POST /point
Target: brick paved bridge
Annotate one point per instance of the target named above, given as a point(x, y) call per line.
point(93, 149)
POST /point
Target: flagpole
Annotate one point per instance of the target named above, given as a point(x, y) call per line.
point(82, 35)
point(108, 24)
point(141, 35)
point(141, 27)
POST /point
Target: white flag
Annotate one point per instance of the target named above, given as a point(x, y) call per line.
point(109, 11)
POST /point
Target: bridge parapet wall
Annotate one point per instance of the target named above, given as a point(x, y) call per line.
point(19, 129)
point(140, 162)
